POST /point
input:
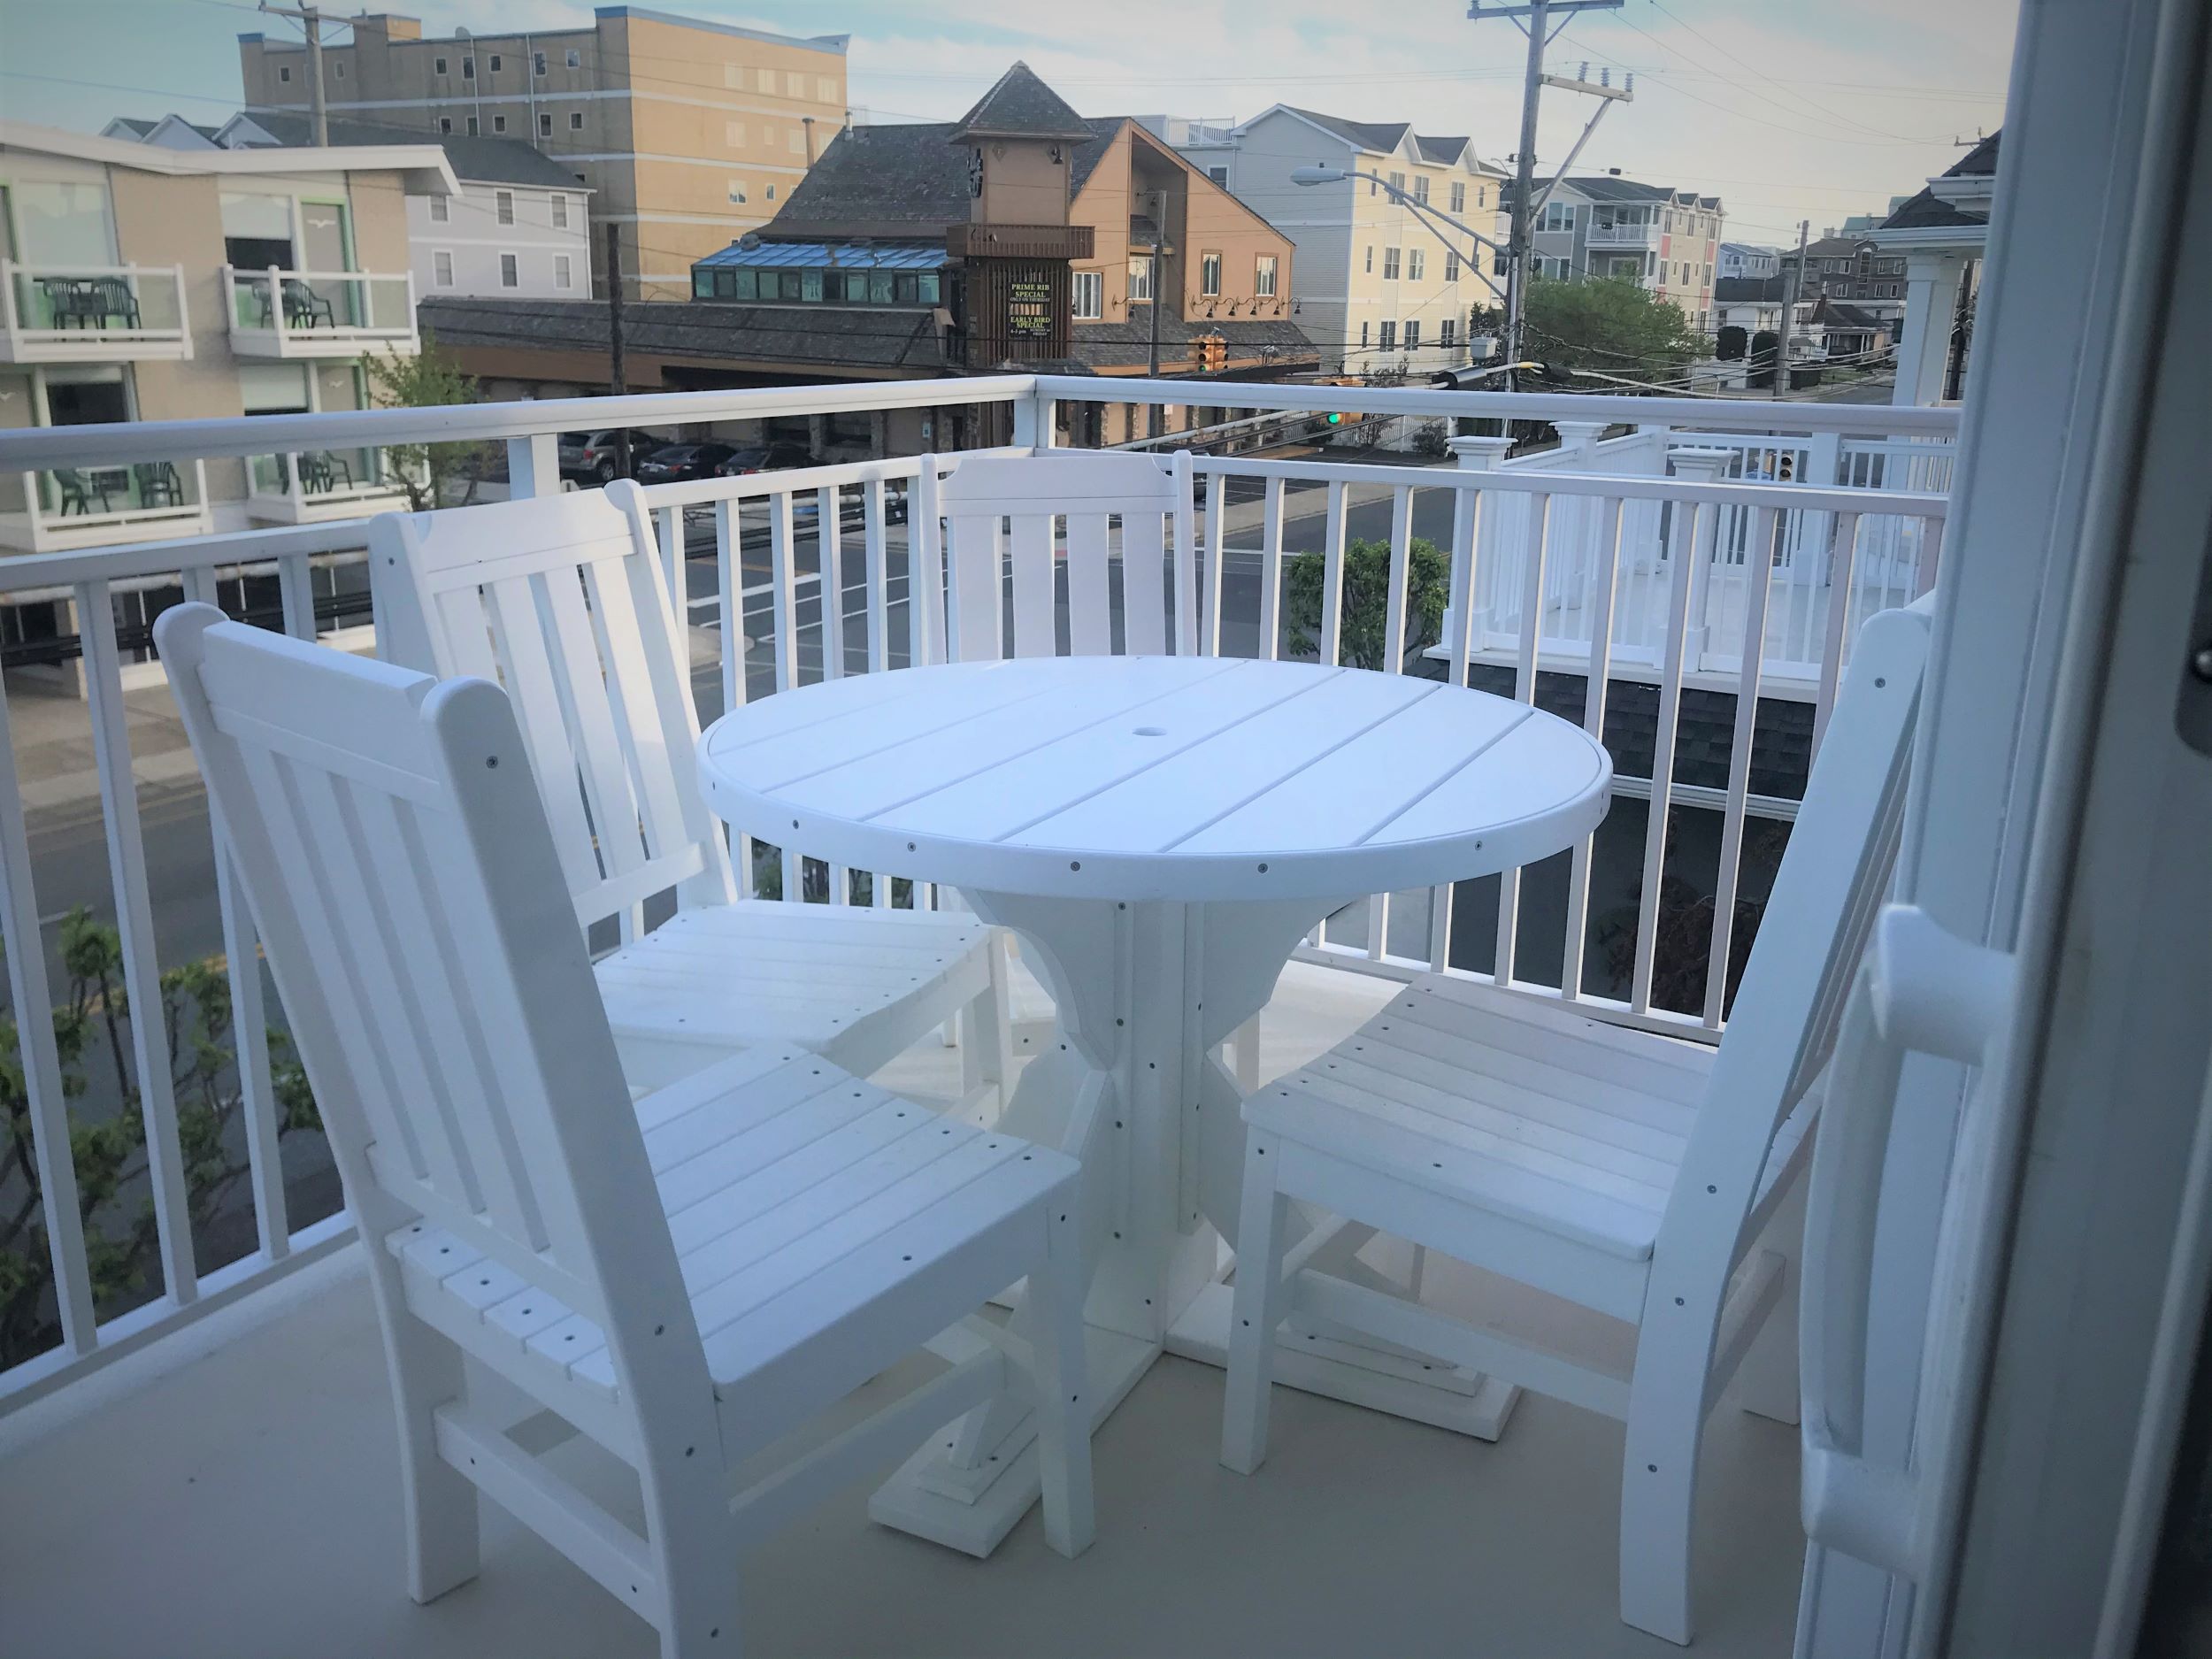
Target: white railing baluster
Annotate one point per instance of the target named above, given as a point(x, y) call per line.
point(249, 1014)
point(1185, 563)
point(830, 551)
point(1596, 683)
point(1271, 570)
point(1842, 572)
point(1459, 617)
point(1662, 747)
point(32, 998)
point(876, 551)
point(729, 598)
point(296, 587)
point(1539, 541)
point(1215, 523)
point(668, 523)
point(1400, 579)
point(784, 582)
point(1758, 583)
point(135, 923)
point(1332, 576)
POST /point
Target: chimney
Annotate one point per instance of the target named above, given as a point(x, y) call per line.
point(807, 121)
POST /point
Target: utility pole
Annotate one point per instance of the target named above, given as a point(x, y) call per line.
point(617, 383)
point(312, 21)
point(1789, 310)
point(1159, 234)
point(1534, 20)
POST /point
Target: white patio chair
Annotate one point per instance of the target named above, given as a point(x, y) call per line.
point(562, 600)
point(1122, 512)
point(1635, 1174)
point(685, 1281)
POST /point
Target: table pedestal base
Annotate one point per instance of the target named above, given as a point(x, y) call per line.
point(970, 1508)
point(1308, 1358)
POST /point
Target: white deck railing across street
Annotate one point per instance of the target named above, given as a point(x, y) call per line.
point(1638, 582)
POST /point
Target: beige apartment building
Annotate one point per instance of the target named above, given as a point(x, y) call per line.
point(139, 282)
point(689, 133)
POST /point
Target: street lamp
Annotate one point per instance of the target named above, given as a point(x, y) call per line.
point(1422, 210)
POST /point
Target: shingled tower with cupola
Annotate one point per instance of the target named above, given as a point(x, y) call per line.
point(1015, 250)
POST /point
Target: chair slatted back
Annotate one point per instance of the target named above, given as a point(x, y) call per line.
point(1121, 511)
point(561, 600)
point(396, 858)
point(1834, 876)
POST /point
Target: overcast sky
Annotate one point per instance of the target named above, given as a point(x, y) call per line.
point(1786, 109)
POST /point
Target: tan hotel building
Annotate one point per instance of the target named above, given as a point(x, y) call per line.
point(690, 132)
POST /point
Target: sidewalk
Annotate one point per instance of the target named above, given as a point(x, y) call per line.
point(53, 729)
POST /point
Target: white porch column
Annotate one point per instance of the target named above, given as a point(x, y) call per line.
point(1931, 299)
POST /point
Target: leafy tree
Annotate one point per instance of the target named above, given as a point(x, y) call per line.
point(1366, 604)
point(1729, 345)
point(1610, 325)
point(427, 380)
point(91, 1030)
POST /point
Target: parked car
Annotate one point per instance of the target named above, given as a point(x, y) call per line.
point(682, 462)
point(765, 457)
point(593, 455)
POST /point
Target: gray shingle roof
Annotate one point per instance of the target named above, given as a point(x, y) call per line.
point(1603, 186)
point(1929, 211)
point(903, 180)
point(807, 336)
point(1978, 162)
point(1742, 289)
point(1383, 136)
point(479, 160)
point(1443, 152)
point(1020, 105)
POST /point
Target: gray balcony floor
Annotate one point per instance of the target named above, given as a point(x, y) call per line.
point(248, 1505)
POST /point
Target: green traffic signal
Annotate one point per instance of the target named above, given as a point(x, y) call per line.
point(1336, 420)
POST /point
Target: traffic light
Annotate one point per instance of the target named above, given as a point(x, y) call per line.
point(1213, 353)
point(1335, 419)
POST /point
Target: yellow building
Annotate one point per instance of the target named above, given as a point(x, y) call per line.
point(689, 133)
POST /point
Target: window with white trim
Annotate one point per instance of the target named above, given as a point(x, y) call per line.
point(795, 83)
point(441, 269)
point(1386, 337)
point(468, 68)
point(1446, 331)
point(563, 272)
point(1264, 276)
point(1210, 276)
point(737, 191)
point(575, 59)
point(1397, 181)
point(504, 203)
point(499, 123)
point(1416, 264)
point(445, 123)
point(537, 63)
point(771, 193)
point(1362, 333)
point(510, 271)
point(1459, 195)
point(733, 134)
point(545, 127)
point(1090, 296)
point(1392, 257)
point(495, 63)
point(767, 80)
point(437, 66)
point(1371, 259)
point(1558, 216)
point(1451, 266)
point(471, 126)
point(575, 120)
point(338, 69)
point(560, 210)
point(1140, 279)
point(441, 209)
point(1219, 174)
point(1413, 334)
point(1421, 189)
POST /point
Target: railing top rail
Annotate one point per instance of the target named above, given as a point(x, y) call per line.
point(28, 449)
point(1719, 414)
point(70, 268)
point(32, 574)
point(747, 485)
point(1788, 497)
point(251, 272)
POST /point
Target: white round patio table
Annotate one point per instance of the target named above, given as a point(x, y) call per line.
point(1161, 832)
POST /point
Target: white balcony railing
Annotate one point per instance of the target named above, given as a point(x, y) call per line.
point(74, 313)
point(800, 575)
point(1642, 236)
point(313, 486)
point(277, 313)
point(99, 506)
